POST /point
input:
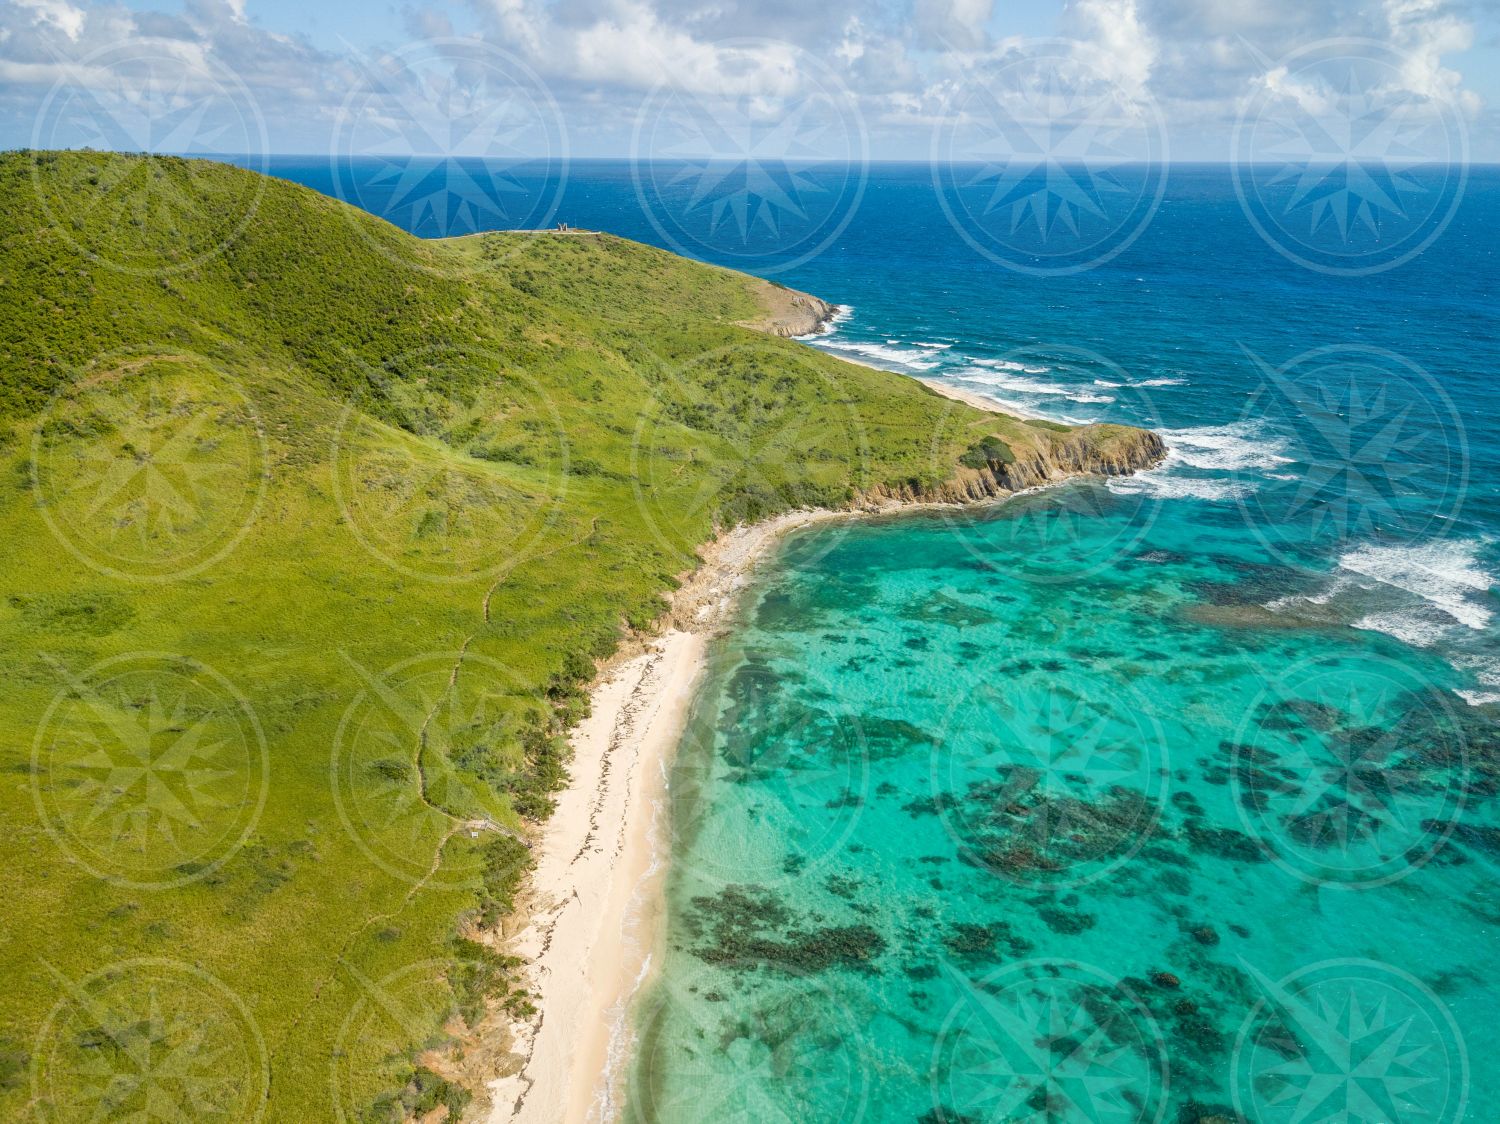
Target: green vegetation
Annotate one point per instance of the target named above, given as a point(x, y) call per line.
point(311, 533)
point(987, 452)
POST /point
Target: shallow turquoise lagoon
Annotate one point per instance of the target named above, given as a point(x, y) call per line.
point(1076, 809)
point(1168, 799)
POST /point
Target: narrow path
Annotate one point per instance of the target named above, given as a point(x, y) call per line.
point(457, 823)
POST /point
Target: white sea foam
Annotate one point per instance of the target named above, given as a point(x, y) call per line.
point(1486, 670)
point(1009, 405)
point(1005, 379)
point(1224, 448)
point(1415, 628)
point(1477, 698)
point(1161, 382)
point(842, 313)
point(1011, 365)
point(1167, 485)
point(1322, 597)
point(912, 358)
point(1445, 574)
point(1016, 383)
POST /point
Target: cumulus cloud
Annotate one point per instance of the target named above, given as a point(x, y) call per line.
point(108, 76)
point(952, 24)
point(59, 13)
point(899, 60)
point(1425, 31)
point(1117, 39)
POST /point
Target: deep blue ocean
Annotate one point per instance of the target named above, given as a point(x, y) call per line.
point(1170, 797)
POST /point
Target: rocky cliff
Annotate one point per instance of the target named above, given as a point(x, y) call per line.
point(789, 312)
point(1091, 450)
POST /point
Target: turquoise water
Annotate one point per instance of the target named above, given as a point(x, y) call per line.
point(1170, 798)
point(970, 825)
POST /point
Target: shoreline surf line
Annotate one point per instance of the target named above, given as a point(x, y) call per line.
point(590, 923)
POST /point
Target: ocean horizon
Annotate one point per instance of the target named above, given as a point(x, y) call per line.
point(1133, 797)
point(653, 563)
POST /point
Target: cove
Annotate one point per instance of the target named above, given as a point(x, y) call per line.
point(1037, 812)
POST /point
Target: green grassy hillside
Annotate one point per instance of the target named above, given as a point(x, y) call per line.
point(310, 535)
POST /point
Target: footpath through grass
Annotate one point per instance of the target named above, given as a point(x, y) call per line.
point(310, 535)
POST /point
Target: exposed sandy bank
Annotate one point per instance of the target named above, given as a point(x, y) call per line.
point(590, 920)
point(589, 925)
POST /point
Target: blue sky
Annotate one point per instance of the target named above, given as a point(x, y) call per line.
point(1404, 80)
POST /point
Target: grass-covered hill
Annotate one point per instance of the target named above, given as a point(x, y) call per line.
point(311, 534)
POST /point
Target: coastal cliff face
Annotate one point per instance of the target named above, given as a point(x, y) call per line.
point(1093, 450)
point(790, 313)
point(487, 457)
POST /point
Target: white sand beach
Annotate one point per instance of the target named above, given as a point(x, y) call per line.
point(590, 918)
point(589, 924)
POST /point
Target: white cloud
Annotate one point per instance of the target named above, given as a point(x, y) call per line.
point(1121, 46)
point(1424, 31)
point(59, 13)
point(952, 24)
point(1196, 59)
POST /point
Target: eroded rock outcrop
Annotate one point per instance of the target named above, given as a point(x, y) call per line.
point(789, 312)
point(1091, 450)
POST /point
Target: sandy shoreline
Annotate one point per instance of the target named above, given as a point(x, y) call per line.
point(591, 918)
point(958, 394)
point(971, 398)
point(590, 922)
